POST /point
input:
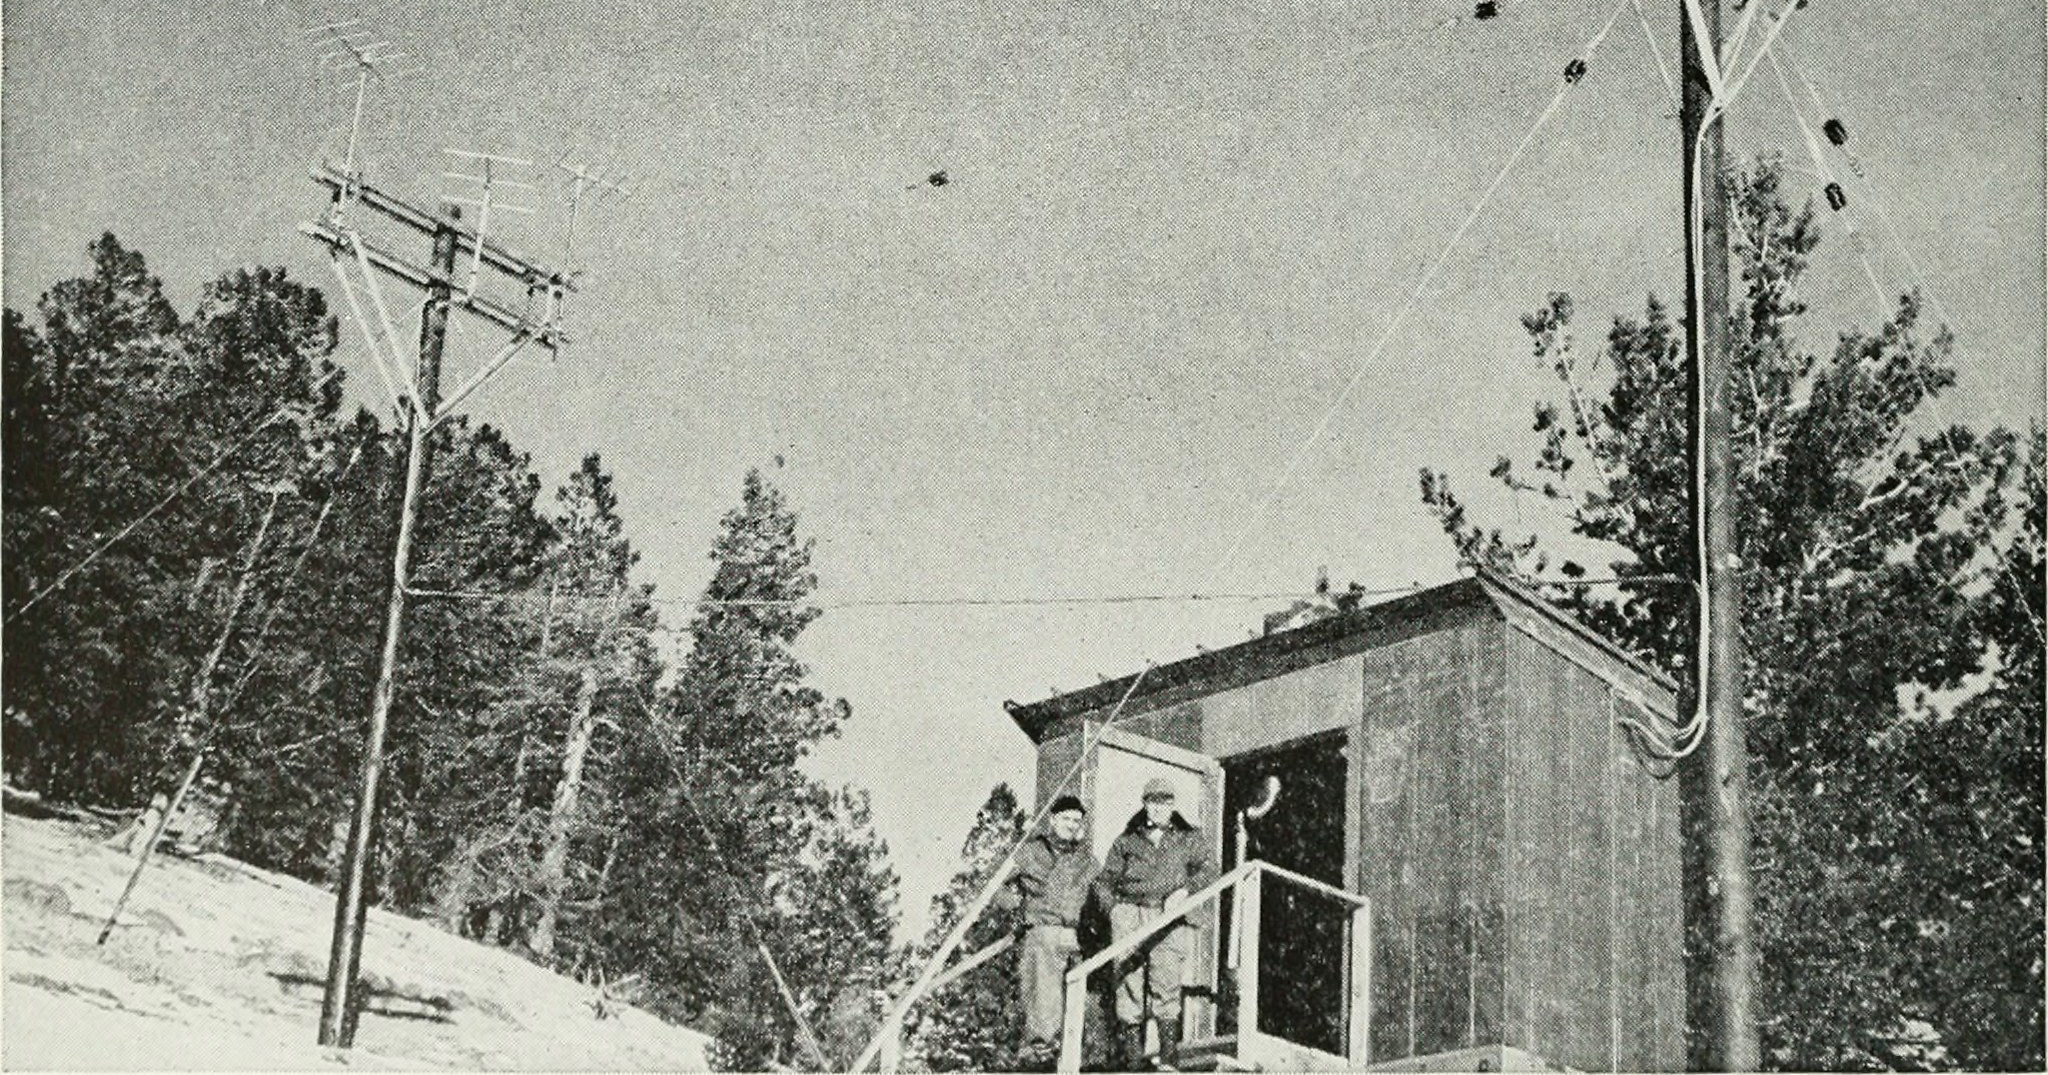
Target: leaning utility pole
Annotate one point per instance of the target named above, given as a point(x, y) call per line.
point(423, 410)
point(1721, 965)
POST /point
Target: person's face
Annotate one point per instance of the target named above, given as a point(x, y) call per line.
point(1066, 825)
point(1158, 810)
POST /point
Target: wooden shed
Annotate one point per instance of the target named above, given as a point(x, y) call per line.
point(1458, 757)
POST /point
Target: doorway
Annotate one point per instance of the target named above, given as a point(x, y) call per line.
point(1302, 933)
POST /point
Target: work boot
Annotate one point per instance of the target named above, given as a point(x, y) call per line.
point(1131, 1046)
point(1039, 1056)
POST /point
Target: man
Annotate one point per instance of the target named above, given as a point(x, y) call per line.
point(1151, 868)
point(1050, 885)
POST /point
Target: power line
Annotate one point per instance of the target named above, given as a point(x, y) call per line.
point(249, 436)
point(1919, 373)
point(1025, 601)
point(1575, 71)
point(1300, 454)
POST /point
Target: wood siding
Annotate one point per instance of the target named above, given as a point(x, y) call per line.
point(1522, 861)
point(1430, 845)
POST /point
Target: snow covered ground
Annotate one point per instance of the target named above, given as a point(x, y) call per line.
point(217, 965)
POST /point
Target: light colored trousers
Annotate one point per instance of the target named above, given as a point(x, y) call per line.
point(1157, 976)
point(1042, 961)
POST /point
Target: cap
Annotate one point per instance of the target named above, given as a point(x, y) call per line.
point(1066, 804)
point(1159, 788)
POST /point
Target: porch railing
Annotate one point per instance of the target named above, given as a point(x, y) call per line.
point(1251, 1047)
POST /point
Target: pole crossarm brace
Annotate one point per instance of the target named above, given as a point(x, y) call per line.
point(477, 380)
point(541, 334)
point(495, 255)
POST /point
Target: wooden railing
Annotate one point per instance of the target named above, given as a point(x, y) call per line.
point(1248, 880)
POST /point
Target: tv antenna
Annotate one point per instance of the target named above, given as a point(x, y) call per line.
point(488, 180)
point(351, 44)
point(584, 181)
point(423, 408)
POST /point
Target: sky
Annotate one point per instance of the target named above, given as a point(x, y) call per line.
point(1172, 238)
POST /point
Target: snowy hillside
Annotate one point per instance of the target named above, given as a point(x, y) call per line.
point(219, 965)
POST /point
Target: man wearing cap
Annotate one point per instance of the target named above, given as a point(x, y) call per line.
point(1049, 887)
point(1151, 868)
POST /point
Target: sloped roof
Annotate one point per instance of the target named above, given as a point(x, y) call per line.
point(1357, 630)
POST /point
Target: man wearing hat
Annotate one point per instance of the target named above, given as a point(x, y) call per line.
point(1049, 887)
point(1151, 868)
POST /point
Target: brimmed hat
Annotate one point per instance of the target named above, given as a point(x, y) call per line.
point(1066, 804)
point(1159, 788)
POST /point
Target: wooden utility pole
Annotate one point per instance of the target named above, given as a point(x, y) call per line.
point(1721, 957)
point(339, 1006)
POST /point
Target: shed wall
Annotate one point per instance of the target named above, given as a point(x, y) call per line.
point(1431, 843)
point(1319, 698)
point(1593, 978)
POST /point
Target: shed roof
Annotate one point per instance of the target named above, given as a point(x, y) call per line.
point(1357, 630)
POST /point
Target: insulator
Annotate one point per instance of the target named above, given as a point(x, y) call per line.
point(1838, 199)
point(1485, 9)
point(1836, 132)
point(1574, 71)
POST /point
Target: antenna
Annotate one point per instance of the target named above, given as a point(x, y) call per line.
point(353, 45)
point(487, 180)
point(598, 183)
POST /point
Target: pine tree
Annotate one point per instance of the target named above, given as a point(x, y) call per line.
point(1870, 579)
point(605, 647)
point(974, 1024)
point(114, 404)
point(721, 812)
point(837, 916)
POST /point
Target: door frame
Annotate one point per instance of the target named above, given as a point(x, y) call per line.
point(1199, 1010)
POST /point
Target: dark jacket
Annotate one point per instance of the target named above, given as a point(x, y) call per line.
point(1051, 881)
point(1138, 871)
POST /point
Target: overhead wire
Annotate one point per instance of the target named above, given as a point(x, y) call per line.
point(297, 571)
point(1827, 175)
point(1682, 741)
point(1307, 444)
point(1027, 601)
point(1919, 280)
point(247, 437)
point(1092, 739)
point(807, 1034)
point(1656, 52)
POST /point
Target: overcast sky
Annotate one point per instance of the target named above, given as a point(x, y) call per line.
point(1172, 234)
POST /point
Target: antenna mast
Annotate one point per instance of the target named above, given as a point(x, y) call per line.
point(359, 267)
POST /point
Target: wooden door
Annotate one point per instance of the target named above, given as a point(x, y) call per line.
point(1124, 762)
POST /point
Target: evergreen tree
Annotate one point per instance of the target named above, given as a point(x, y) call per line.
point(480, 531)
point(974, 1024)
point(539, 790)
point(115, 405)
point(1871, 578)
point(837, 916)
point(721, 811)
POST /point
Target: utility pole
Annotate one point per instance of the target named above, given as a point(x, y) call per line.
point(1721, 966)
point(423, 410)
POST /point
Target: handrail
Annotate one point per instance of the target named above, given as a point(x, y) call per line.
point(1251, 875)
point(1159, 925)
point(953, 973)
point(1323, 887)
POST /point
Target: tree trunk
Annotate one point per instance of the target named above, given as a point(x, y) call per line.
point(199, 699)
point(555, 856)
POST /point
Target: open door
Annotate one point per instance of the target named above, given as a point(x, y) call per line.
point(1124, 761)
point(1304, 934)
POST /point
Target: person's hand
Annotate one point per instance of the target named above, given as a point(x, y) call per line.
point(1175, 899)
